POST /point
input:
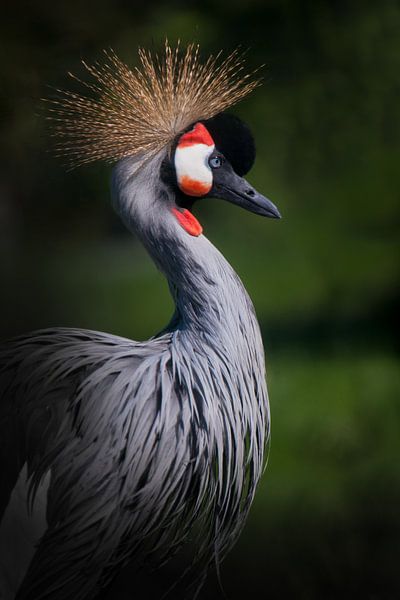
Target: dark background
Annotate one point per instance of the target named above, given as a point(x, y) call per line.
point(324, 280)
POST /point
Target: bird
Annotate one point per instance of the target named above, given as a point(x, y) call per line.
point(114, 450)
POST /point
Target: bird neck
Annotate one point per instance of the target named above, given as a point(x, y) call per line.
point(210, 299)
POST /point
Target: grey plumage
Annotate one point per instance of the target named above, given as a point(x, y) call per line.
point(145, 442)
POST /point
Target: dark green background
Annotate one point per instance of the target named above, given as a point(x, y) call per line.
point(324, 280)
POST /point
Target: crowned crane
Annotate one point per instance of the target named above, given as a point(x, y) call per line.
point(113, 450)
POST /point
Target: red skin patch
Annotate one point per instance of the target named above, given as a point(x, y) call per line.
point(198, 135)
point(193, 187)
point(188, 222)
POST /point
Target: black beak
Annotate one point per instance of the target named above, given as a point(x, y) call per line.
point(229, 186)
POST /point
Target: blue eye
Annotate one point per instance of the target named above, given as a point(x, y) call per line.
point(215, 162)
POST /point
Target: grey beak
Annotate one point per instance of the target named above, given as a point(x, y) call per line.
point(237, 190)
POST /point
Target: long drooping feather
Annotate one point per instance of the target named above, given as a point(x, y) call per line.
point(146, 445)
point(126, 112)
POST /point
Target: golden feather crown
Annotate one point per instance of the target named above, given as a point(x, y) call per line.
point(127, 112)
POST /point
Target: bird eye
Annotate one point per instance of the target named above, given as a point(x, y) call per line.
point(215, 162)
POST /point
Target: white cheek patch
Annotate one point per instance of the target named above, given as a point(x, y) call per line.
point(192, 170)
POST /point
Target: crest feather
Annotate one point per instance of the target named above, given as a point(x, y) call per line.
point(139, 111)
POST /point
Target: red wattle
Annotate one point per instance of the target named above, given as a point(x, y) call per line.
point(188, 221)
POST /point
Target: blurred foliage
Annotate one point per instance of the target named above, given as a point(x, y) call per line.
point(324, 280)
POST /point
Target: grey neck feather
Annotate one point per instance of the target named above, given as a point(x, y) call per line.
point(168, 433)
point(209, 296)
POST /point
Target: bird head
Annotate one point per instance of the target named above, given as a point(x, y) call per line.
point(175, 105)
point(210, 159)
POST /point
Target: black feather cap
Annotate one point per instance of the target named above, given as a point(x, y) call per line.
point(234, 139)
